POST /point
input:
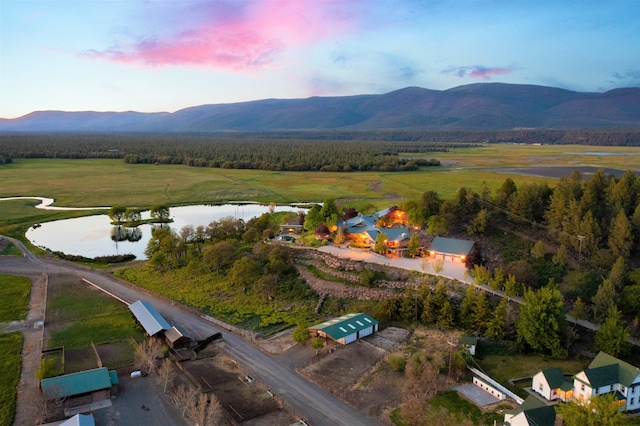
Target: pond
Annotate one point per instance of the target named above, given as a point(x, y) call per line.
point(93, 236)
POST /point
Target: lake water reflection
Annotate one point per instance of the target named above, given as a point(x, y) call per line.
point(94, 236)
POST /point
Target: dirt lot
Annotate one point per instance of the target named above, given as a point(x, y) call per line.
point(133, 394)
point(240, 398)
point(79, 360)
point(357, 372)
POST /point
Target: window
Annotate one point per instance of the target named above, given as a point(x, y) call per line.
point(582, 387)
point(631, 401)
point(541, 387)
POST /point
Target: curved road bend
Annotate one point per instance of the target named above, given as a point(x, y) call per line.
point(308, 400)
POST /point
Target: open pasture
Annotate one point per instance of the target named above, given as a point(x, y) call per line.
point(14, 293)
point(107, 182)
point(78, 314)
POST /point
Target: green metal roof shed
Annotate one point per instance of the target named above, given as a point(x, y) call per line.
point(76, 383)
point(347, 328)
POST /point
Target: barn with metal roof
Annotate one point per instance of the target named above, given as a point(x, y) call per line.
point(149, 318)
point(97, 382)
point(347, 328)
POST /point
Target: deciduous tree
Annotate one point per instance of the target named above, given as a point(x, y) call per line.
point(599, 410)
point(542, 320)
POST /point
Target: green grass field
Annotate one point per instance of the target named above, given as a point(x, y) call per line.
point(10, 367)
point(14, 293)
point(103, 182)
point(78, 315)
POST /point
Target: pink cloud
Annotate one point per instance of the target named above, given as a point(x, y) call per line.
point(243, 38)
point(478, 71)
point(486, 73)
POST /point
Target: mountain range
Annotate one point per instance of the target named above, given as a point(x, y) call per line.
point(483, 106)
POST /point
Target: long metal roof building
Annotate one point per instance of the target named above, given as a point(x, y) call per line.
point(347, 328)
point(148, 317)
point(77, 383)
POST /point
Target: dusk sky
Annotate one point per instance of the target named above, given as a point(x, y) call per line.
point(164, 55)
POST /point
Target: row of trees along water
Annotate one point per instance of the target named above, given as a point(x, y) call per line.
point(131, 216)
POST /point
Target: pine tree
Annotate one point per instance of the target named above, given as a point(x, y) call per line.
point(428, 310)
point(604, 299)
point(620, 236)
point(497, 323)
point(617, 274)
point(446, 319)
point(612, 336)
point(481, 312)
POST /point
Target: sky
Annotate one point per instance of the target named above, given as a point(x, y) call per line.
point(165, 55)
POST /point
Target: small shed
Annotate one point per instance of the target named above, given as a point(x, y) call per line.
point(176, 339)
point(97, 383)
point(149, 318)
point(450, 249)
point(469, 343)
point(347, 328)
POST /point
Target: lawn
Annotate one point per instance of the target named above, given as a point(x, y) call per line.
point(502, 365)
point(14, 293)
point(78, 315)
point(10, 367)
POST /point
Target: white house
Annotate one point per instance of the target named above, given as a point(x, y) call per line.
point(551, 384)
point(607, 374)
point(532, 412)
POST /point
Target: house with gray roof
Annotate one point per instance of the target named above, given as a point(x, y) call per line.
point(551, 384)
point(450, 249)
point(607, 374)
point(150, 319)
point(347, 328)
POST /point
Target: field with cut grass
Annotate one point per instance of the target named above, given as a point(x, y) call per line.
point(14, 293)
point(78, 314)
point(10, 367)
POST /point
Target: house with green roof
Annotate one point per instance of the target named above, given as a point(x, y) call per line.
point(346, 329)
point(532, 412)
point(551, 384)
point(607, 374)
point(97, 384)
point(450, 249)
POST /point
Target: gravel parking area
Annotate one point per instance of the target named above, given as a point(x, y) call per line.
point(133, 395)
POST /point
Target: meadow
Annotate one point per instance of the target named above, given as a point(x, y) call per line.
point(10, 365)
point(78, 315)
point(107, 182)
point(14, 293)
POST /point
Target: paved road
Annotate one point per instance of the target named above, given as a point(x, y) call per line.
point(310, 401)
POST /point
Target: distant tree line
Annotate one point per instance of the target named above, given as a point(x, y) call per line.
point(219, 151)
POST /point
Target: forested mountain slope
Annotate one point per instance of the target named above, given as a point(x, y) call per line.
point(485, 106)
